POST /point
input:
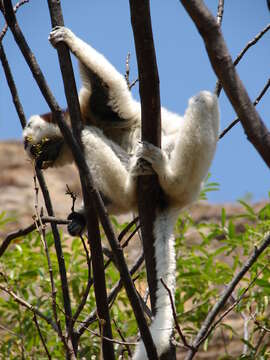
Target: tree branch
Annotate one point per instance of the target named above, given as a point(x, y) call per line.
point(221, 61)
point(255, 103)
point(94, 237)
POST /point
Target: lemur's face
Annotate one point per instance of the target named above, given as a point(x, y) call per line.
point(42, 141)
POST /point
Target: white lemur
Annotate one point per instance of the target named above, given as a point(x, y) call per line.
point(113, 152)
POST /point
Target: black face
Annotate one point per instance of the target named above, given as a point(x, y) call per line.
point(46, 152)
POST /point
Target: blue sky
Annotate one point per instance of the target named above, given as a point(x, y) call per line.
point(184, 70)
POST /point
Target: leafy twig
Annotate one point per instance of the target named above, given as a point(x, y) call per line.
point(207, 324)
point(28, 306)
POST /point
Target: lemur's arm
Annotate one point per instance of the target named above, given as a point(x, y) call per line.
point(105, 94)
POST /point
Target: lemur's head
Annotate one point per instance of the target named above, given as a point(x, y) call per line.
point(42, 140)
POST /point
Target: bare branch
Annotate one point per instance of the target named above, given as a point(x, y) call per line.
point(88, 286)
point(29, 306)
point(242, 53)
point(111, 297)
point(220, 11)
point(12, 86)
point(16, 7)
point(182, 336)
point(122, 338)
point(255, 129)
point(255, 103)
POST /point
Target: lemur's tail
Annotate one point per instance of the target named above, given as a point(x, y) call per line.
point(162, 324)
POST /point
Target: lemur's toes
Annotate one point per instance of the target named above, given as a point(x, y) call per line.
point(77, 224)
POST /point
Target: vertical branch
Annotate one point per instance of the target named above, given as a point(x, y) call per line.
point(148, 186)
point(94, 237)
point(150, 113)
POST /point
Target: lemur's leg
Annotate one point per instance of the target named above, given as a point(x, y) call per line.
point(182, 170)
point(109, 166)
point(110, 98)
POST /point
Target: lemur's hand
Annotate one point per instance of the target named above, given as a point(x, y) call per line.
point(59, 34)
point(77, 225)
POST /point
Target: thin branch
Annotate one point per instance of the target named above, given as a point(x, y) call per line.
point(15, 8)
point(231, 307)
point(227, 293)
point(12, 86)
point(111, 297)
point(182, 336)
point(27, 230)
point(255, 103)
point(255, 129)
point(220, 11)
point(88, 286)
point(59, 253)
point(242, 53)
point(41, 337)
point(30, 307)
point(122, 338)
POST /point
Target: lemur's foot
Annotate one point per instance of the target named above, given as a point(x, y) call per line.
point(148, 159)
point(59, 34)
point(77, 225)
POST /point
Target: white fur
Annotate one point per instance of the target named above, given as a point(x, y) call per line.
point(188, 147)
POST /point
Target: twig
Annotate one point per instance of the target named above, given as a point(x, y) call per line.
point(223, 299)
point(255, 103)
point(127, 228)
point(242, 53)
point(27, 230)
point(122, 338)
point(130, 85)
point(29, 306)
point(88, 286)
point(182, 336)
point(72, 195)
point(119, 342)
point(220, 11)
point(12, 86)
point(16, 7)
point(59, 253)
point(127, 69)
point(111, 297)
point(41, 337)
